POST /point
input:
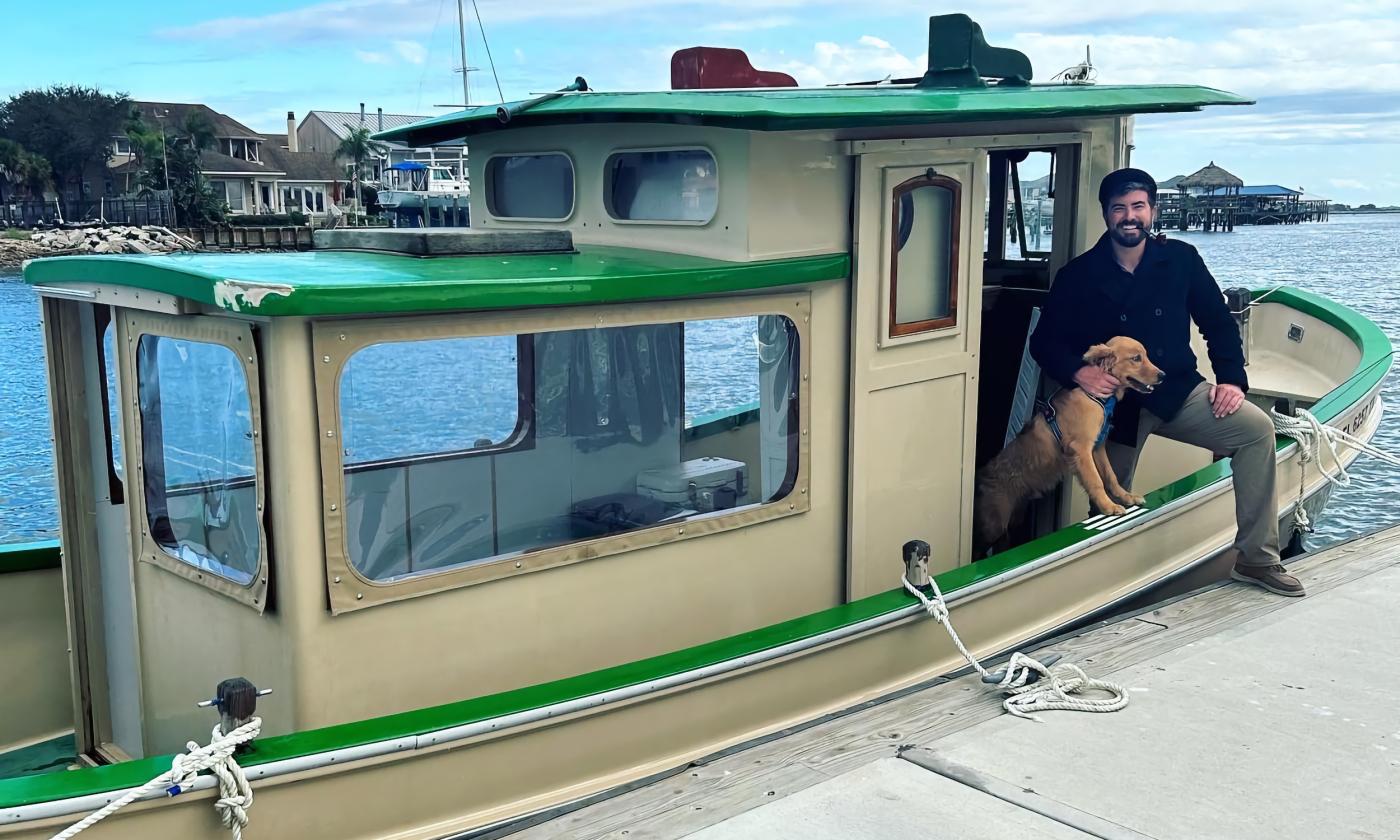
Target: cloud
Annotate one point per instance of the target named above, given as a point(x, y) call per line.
point(372, 57)
point(870, 58)
point(1347, 184)
point(411, 51)
point(750, 24)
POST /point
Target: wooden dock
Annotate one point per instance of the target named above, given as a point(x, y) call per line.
point(1252, 716)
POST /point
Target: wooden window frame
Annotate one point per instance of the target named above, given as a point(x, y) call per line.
point(931, 178)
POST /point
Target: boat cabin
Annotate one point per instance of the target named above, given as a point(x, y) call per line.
point(705, 360)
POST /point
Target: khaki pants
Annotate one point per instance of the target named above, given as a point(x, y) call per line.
point(1247, 436)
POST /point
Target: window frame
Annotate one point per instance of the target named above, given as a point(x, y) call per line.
point(606, 196)
point(237, 337)
point(895, 329)
point(489, 184)
point(334, 341)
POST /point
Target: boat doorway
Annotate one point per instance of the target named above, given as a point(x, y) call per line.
point(1031, 222)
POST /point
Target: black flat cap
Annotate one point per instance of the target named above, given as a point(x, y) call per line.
point(1114, 182)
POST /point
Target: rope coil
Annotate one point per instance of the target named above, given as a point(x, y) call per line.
point(235, 794)
point(1052, 690)
point(1311, 434)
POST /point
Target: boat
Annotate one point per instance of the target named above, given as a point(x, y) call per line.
point(463, 501)
point(413, 190)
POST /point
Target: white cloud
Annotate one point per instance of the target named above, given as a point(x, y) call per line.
point(411, 51)
point(750, 24)
point(372, 57)
point(869, 59)
point(519, 56)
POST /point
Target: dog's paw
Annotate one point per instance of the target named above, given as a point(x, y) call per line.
point(1112, 509)
point(1130, 499)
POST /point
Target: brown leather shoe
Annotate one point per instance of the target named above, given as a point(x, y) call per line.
point(1273, 578)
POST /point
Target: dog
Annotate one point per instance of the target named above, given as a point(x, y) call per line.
point(1038, 458)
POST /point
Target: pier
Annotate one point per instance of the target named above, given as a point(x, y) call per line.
point(1212, 199)
point(1252, 716)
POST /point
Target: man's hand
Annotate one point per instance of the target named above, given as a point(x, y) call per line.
point(1225, 399)
point(1096, 381)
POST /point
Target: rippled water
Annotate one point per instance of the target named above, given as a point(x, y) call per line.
point(1353, 259)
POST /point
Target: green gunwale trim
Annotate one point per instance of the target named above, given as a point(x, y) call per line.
point(29, 557)
point(360, 282)
point(824, 108)
point(718, 422)
point(1376, 354)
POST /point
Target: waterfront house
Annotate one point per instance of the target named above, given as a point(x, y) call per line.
point(322, 131)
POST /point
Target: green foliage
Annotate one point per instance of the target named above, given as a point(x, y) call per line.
point(357, 147)
point(22, 171)
point(68, 125)
point(195, 202)
point(14, 233)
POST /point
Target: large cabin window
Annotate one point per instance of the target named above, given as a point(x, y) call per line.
point(669, 185)
point(198, 456)
point(462, 452)
point(537, 186)
point(924, 254)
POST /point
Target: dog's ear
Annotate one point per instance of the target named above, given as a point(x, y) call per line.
point(1101, 355)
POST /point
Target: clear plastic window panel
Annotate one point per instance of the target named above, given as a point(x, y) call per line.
point(530, 186)
point(198, 455)
point(463, 450)
point(677, 185)
point(923, 249)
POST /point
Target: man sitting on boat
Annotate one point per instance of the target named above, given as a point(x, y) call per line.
point(1152, 288)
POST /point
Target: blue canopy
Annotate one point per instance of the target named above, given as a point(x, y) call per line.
point(409, 166)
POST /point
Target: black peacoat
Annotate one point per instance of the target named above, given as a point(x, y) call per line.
point(1094, 299)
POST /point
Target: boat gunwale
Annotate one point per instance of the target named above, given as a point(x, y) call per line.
point(22, 799)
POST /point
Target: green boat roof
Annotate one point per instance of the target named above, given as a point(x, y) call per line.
point(780, 109)
point(357, 282)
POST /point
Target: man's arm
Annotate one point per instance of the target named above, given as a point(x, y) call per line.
point(1050, 345)
point(1211, 314)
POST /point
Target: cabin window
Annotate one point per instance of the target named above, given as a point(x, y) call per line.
point(111, 403)
point(539, 186)
point(924, 254)
point(198, 455)
point(464, 450)
point(669, 185)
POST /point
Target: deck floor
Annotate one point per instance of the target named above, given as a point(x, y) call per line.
point(1252, 716)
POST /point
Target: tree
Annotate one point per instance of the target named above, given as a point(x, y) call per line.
point(358, 148)
point(195, 202)
point(23, 169)
point(70, 126)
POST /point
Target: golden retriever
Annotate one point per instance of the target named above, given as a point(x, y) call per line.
point(1036, 461)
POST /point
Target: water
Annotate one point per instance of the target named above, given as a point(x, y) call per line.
point(1353, 259)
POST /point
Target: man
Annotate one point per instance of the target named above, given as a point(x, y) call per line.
point(1152, 288)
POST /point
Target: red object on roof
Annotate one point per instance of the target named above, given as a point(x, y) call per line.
point(720, 67)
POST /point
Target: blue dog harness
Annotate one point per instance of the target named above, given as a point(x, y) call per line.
point(1047, 410)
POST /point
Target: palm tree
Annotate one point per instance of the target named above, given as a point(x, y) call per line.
point(24, 169)
point(358, 147)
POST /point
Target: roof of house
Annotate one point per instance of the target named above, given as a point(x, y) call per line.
point(348, 282)
point(174, 114)
point(1171, 183)
point(777, 109)
point(341, 122)
point(217, 163)
point(301, 166)
point(1210, 175)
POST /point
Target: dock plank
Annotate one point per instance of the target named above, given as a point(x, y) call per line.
point(739, 781)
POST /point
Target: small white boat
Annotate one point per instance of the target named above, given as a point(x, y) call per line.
point(411, 185)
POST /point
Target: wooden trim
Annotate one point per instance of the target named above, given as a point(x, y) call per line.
point(929, 179)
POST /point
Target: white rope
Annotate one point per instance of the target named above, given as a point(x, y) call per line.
point(1052, 692)
point(235, 794)
point(1311, 434)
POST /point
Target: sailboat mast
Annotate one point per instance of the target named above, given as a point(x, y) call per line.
point(462, 42)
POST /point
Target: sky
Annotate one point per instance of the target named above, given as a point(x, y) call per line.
point(1326, 75)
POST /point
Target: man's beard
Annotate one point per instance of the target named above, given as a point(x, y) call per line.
point(1128, 237)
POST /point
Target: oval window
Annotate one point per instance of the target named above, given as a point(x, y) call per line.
point(669, 185)
point(530, 186)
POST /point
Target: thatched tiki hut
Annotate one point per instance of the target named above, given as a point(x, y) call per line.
point(1210, 198)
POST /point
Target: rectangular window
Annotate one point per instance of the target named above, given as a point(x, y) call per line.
point(924, 254)
point(121, 145)
point(530, 186)
point(220, 190)
point(672, 185)
point(458, 451)
point(198, 456)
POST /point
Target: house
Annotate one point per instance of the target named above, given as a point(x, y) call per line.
point(322, 131)
point(252, 172)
